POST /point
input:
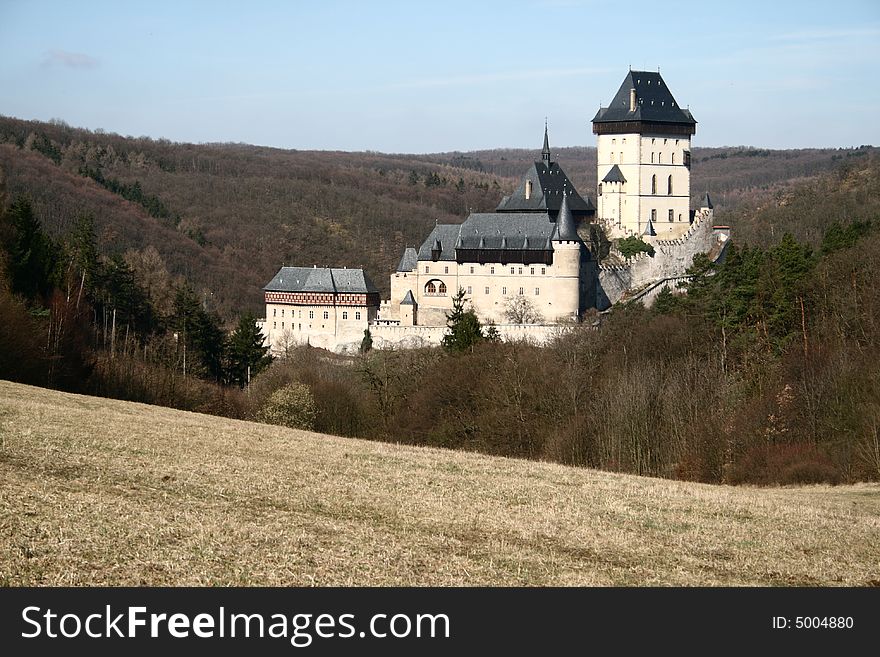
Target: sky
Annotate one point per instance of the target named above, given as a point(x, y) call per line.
point(421, 77)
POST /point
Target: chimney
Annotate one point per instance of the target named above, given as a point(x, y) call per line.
point(632, 100)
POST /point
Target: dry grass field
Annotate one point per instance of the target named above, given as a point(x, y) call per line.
point(102, 492)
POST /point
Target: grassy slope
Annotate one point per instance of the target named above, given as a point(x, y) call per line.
point(94, 491)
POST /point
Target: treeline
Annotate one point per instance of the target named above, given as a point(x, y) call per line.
point(79, 320)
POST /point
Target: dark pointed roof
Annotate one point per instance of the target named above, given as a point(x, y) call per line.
point(654, 102)
point(408, 299)
point(566, 229)
point(649, 229)
point(547, 185)
point(706, 202)
point(614, 175)
point(545, 152)
point(409, 260)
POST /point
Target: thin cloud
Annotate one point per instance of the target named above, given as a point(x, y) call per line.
point(75, 60)
point(467, 80)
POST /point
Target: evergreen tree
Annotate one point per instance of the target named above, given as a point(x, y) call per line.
point(246, 355)
point(464, 327)
point(367, 342)
point(32, 259)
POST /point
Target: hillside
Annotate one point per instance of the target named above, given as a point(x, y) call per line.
point(102, 492)
point(226, 216)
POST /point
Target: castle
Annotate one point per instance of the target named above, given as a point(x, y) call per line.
point(526, 266)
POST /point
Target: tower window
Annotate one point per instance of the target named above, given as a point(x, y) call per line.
point(654, 216)
point(673, 158)
point(652, 157)
point(357, 315)
point(311, 314)
point(511, 270)
point(669, 186)
point(621, 157)
point(671, 215)
point(519, 271)
point(344, 314)
point(472, 270)
point(487, 290)
point(470, 291)
point(537, 291)
point(427, 269)
point(504, 291)
point(446, 270)
point(543, 271)
point(521, 291)
point(654, 184)
point(326, 315)
point(612, 157)
point(274, 312)
point(533, 271)
point(491, 270)
point(600, 189)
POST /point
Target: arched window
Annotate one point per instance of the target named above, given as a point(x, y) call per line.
point(442, 288)
point(669, 185)
point(435, 287)
point(430, 288)
point(654, 184)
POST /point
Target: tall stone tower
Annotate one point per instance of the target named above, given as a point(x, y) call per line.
point(644, 159)
point(566, 263)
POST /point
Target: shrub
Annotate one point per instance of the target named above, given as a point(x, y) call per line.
point(630, 246)
point(290, 406)
point(794, 463)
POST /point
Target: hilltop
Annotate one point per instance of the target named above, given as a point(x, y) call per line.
point(226, 216)
point(102, 492)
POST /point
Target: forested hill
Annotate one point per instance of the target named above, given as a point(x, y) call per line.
point(226, 216)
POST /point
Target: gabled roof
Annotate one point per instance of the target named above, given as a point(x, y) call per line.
point(408, 299)
point(321, 279)
point(614, 175)
point(654, 102)
point(446, 234)
point(548, 184)
point(409, 260)
point(513, 231)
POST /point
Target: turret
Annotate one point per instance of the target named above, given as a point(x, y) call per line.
point(566, 263)
point(545, 152)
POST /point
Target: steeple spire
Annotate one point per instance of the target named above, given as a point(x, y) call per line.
point(545, 152)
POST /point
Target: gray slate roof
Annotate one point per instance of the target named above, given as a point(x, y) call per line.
point(321, 279)
point(408, 299)
point(496, 230)
point(706, 202)
point(548, 184)
point(409, 260)
point(565, 225)
point(614, 175)
point(654, 102)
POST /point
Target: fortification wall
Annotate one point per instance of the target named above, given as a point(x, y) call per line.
point(412, 337)
point(671, 258)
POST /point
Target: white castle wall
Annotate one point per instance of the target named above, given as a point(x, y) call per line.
point(410, 337)
point(671, 258)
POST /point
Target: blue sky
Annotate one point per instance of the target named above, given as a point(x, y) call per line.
point(419, 77)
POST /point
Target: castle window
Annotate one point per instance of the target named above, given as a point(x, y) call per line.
point(300, 314)
point(427, 269)
point(487, 290)
point(612, 157)
point(430, 288)
point(441, 289)
point(652, 141)
point(519, 271)
point(654, 184)
point(621, 157)
point(600, 189)
point(282, 312)
point(533, 271)
point(274, 312)
point(491, 270)
point(671, 215)
point(654, 216)
point(687, 159)
point(470, 291)
point(326, 315)
point(357, 315)
point(446, 270)
point(521, 291)
point(274, 325)
point(472, 270)
point(543, 270)
point(652, 158)
point(282, 325)
point(673, 158)
point(344, 314)
point(537, 291)
point(664, 142)
point(504, 291)
point(300, 328)
point(511, 270)
point(311, 314)
point(669, 185)
point(613, 141)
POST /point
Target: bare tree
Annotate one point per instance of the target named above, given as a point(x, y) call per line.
point(521, 310)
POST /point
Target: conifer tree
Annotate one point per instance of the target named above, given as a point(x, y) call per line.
point(246, 354)
point(465, 330)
